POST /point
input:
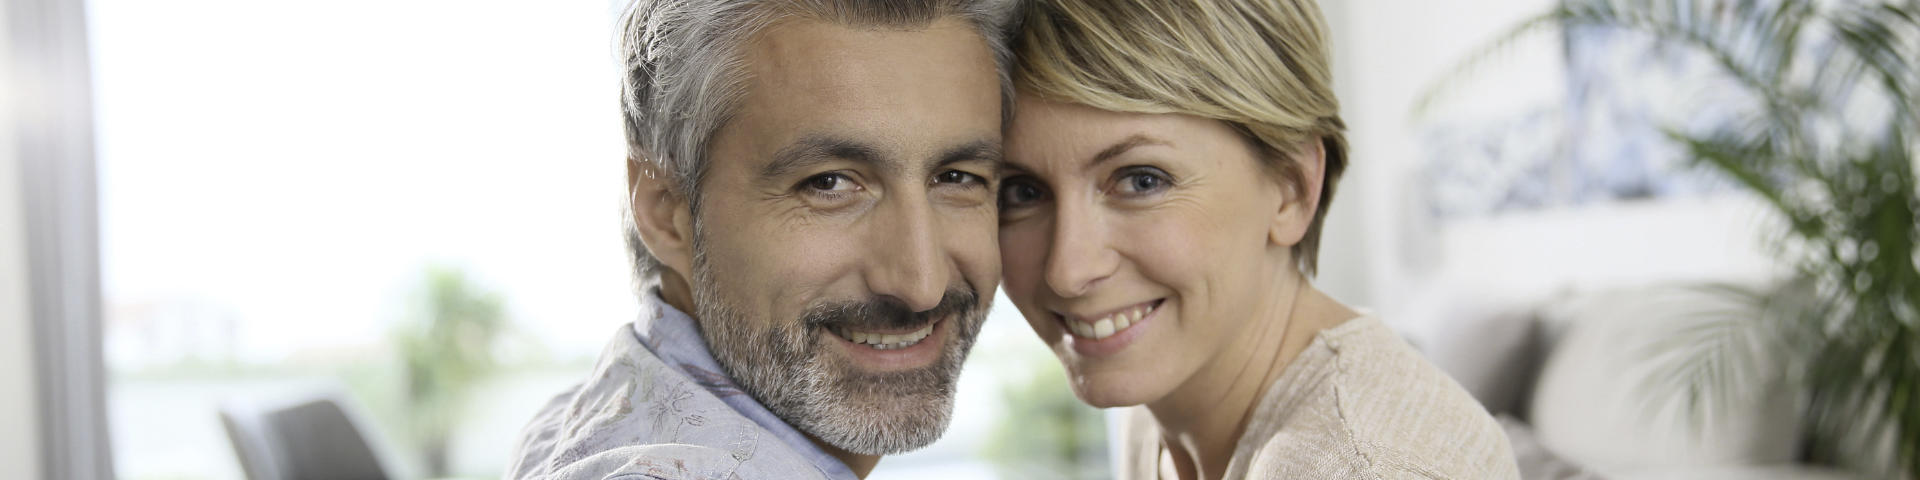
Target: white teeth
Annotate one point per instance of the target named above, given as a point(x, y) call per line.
point(1106, 327)
point(880, 341)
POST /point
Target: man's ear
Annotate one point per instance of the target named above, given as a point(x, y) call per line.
point(1300, 201)
point(661, 215)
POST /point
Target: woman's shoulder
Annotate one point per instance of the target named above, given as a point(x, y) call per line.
point(1401, 413)
point(1136, 451)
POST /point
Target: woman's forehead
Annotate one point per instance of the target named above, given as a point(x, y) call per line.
point(1058, 138)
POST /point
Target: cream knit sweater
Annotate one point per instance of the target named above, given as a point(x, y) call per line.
point(1357, 403)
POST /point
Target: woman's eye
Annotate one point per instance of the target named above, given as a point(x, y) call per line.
point(1019, 193)
point(956, 177)
point(829, 182)
point(1143, 180)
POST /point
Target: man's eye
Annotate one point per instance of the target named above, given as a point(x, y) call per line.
point(829, 182)
point(956, 177)
point(1018, 193)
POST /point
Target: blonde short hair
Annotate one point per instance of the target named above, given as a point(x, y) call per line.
point(1261, 66)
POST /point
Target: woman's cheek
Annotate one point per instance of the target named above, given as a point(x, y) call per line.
point(1022, 257)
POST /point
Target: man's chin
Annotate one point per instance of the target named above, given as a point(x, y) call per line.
point(883, 426)
point(890, 401)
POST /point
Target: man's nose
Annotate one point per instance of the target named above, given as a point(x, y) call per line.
point(907, 261)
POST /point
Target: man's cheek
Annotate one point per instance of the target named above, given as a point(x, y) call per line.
point(802, 255)
point(794, 269)
point(980, 244)
point(982, 235)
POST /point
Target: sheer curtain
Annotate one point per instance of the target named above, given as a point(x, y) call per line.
point(49, 150)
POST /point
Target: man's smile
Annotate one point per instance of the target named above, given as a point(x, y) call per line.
point(896, 349)
point(885, 340)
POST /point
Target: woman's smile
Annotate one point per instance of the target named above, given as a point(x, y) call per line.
point(1108, 332)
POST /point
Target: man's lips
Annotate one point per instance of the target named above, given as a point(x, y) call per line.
point(904, 350)
point(885, 339)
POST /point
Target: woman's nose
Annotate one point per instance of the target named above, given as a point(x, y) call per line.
point(1081, 254)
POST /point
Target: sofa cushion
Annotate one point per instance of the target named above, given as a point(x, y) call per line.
point(1494, 351)
point(1604, 398)
point(1537, 462)
point(1750, 472)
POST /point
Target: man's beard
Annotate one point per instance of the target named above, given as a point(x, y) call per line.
point(785, 364)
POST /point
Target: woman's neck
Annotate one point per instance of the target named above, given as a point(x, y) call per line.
point(1201, 422)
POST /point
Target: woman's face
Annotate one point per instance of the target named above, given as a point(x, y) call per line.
point(1136, 245)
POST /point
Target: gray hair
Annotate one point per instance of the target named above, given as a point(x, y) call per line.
point(683, 76)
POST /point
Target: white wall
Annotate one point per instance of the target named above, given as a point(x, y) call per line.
point(1386, 53)
point(1383, 255)
point(19, 441)
point(1343, 241)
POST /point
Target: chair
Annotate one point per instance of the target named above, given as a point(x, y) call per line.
point(314, 437)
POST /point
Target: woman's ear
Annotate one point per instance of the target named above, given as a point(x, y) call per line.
point(1300, 201)
point(661, 215)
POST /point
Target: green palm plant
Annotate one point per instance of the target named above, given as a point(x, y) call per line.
point(447, 350)
point(1048, 433)
point(1827, 139)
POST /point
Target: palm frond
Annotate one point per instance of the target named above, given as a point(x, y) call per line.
point(1481, 57)
point(1743, 159)
point(1850, 323)
point(1710, 361)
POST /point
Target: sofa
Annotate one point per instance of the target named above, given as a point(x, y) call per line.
point(1584, 384)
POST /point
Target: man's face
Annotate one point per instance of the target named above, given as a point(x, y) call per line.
point(845, 233)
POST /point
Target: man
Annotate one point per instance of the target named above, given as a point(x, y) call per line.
point(813, 223)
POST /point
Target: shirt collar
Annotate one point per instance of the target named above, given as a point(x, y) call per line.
point(673, 336)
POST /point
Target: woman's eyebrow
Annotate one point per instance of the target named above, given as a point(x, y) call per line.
point(1122, 146)
point(1006, 168)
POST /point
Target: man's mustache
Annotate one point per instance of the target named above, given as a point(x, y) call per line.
point(882, 313)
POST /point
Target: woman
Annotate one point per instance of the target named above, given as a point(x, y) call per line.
point(1169, 167)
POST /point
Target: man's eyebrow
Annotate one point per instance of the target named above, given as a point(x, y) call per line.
point(817, 149)
point(1122, 146)
point(977, 150)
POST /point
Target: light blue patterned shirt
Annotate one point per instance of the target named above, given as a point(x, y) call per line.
point(659, 407)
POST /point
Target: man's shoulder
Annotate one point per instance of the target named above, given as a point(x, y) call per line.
point(668, 461)
point(636, 417)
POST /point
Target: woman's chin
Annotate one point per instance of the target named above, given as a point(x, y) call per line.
point(1110, 391)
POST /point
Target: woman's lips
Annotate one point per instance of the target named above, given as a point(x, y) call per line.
point(1111, 332)
point(1110, 323)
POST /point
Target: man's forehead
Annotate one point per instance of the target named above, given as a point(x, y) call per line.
point(826, 65)
point(892, 90)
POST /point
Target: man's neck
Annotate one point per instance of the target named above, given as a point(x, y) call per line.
point(860, 464)
point(674, 291)
point(1202, 421)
